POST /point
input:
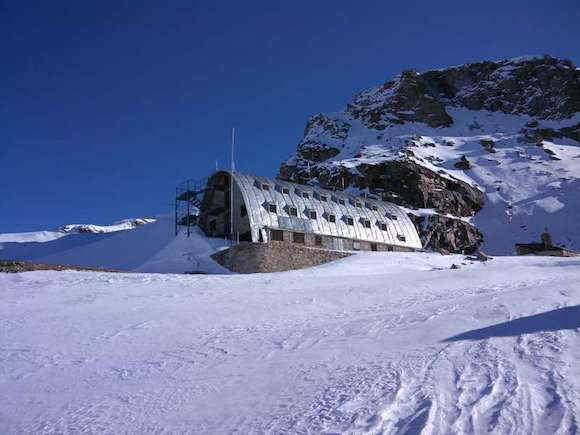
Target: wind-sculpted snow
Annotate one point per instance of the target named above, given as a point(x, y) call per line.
point(389, 343)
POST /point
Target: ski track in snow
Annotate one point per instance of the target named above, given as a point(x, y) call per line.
point(357, 346)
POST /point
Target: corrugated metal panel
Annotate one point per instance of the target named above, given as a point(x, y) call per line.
point(257, 199)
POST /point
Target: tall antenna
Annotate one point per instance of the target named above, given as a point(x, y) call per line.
point(232, 190)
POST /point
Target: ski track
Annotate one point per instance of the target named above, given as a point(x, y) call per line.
point(167, 354)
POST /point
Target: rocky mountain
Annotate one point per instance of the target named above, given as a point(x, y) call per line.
point(485, 154)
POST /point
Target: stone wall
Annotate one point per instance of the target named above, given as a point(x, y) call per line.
point(335, 243)
point(273, 257)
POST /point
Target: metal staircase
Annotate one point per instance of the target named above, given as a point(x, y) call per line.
point(188, 198)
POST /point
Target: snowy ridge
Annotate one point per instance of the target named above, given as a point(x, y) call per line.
point(377, 343)
point(125, 224)
point(65, 230)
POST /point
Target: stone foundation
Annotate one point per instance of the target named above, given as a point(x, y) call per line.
point(273, 257)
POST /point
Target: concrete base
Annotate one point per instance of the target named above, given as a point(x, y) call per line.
point(273, 257)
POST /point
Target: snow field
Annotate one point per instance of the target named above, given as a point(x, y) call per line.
point(374, 343)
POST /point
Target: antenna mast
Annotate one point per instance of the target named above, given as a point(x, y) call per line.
point(232, 190)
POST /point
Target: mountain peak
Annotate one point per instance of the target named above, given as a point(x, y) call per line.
point(489, 143)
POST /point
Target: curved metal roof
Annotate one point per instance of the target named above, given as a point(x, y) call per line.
point(367, 214)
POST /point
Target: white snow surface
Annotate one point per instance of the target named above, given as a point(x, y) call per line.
point(527, 188)
point(394, 343)
point(146, 248)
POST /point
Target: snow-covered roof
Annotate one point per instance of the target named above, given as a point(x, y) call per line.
point(335, 213)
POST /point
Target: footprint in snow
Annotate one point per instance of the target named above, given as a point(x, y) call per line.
point(495, 312)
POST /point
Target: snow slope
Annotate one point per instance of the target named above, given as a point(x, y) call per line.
point(375, 343)
point(146, 248)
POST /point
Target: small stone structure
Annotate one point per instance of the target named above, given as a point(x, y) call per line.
point(544, 248)
point(273, 257)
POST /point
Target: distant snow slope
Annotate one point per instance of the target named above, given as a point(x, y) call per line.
point(65, 230)
point(125, 224)
point(394, 343)
point(33, 236)
point(145, 248)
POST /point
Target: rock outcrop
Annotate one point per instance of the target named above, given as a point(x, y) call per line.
point(373, 146)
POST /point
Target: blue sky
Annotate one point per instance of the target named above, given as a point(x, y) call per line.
point(106, 106)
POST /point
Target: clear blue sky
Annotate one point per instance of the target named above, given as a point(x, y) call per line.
point(106, 105)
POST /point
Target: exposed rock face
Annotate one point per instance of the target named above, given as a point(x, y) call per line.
point(463, 164)
point(546, 88)
point(407, 183)
point(407, 99)
point(311, 148)
point(535, 135)
point(442, 233)
point(373, 145)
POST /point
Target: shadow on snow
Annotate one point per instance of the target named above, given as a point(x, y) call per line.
point(555, 320)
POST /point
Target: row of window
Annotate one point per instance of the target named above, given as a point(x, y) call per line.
point(322, 197)
point(278, 235)
point(293, 211)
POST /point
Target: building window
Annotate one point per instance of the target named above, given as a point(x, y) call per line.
point(305, 195)
point(373, 246)
point(401, 238)
point(349, 220)
point(243, 210)
point(272, 208)
point(312, 214)
point(342, 202)
point(227, 199)
point(212, 226)
point(331, 218)
point(298, 238)
point(293, 211)
point(323, 198)
point(277, 235)
point(285, 191)
point(383, 226)
point(366, 223)
point(356, 246)
point(392, 216)
point(358, 204)
point(265, 187)
point(318, 240)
